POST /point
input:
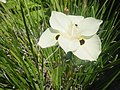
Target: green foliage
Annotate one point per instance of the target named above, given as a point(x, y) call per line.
point(24, 65)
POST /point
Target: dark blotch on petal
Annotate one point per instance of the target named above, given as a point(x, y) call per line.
point(57, 37)
point(82, 41)
point(76, 25)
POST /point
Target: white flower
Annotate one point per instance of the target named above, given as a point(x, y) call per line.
point(73, 33)
point(4, 1)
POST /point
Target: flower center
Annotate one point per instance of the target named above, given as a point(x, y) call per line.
point(82, 41)
point(57, 37)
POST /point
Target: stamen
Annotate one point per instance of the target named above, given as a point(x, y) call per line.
point(57, 37)
point(82, 41)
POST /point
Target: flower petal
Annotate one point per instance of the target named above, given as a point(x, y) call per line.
point(73, 26)
point(59, 21)
point(90, 50)
point(68, 44)
point(89, 26)
point(4, 1)
point(75, 19)
point(48, 38)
